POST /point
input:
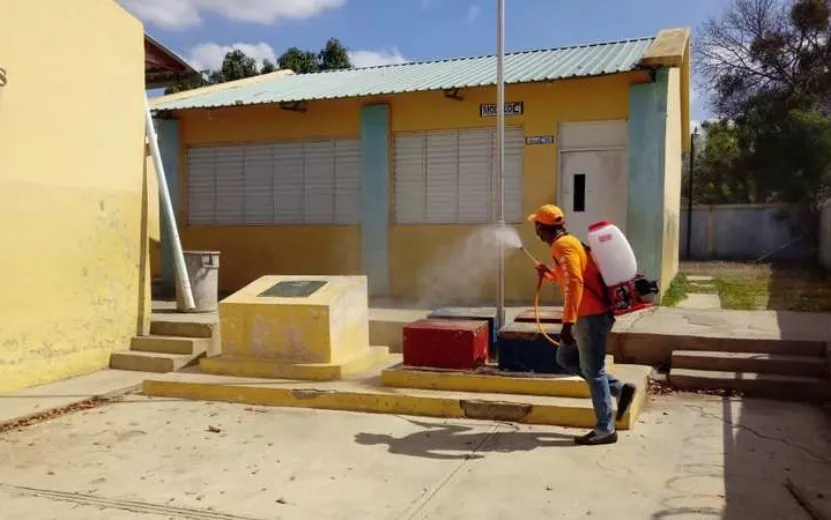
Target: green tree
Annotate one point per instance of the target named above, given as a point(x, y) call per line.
point(716, 162)
point(333, 56)
point(238, 65)
point(181, 86)
point(267, 67)
point(766, 63)
point(300, 61)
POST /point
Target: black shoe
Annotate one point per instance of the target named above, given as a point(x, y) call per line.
point(624, 402)
point(592, 439)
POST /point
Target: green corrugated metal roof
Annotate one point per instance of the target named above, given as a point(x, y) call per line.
point(520, 67)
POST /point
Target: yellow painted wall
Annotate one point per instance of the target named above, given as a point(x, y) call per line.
point(547, 105)
point(672, 180)
point(153, 217)
point(249, 252)
point(72, 188)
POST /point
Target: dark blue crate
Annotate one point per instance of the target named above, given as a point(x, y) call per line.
point(523, 349)
point(472, 313)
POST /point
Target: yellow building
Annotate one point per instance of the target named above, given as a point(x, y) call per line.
point(74, 187)
point(384, 171)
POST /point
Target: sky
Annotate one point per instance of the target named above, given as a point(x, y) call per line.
point(378, 32)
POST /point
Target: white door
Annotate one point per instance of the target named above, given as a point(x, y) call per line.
point(593, 188)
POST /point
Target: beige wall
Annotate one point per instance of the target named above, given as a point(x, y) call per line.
point(672, 180)
point(72, 188)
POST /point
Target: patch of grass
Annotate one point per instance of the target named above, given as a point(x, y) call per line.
point(677, 291)
point(759, 287)
point(743, 295)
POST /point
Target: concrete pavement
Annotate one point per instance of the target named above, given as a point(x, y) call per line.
point(148, 459)
point(32, 401)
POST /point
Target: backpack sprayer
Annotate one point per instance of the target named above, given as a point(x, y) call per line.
point(626, 289)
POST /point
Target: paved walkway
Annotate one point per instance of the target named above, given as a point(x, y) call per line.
point(701, 294)
point(146, 459)
point(36, 400)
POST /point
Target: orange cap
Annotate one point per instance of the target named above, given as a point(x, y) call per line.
point(549, 215)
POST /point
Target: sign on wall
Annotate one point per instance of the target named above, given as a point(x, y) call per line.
point(512, 108)
point(539, 139)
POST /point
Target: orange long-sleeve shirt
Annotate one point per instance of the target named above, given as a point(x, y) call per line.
point(579, 279)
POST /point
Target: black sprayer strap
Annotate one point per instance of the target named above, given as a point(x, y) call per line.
point(603, 298)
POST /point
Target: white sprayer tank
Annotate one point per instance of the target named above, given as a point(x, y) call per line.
point(612, 253)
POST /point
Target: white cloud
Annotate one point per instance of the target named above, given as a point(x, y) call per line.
point(210, 55)
point(179, 14)
point(375, 58)
point(473, 13)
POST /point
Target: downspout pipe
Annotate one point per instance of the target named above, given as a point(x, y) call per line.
point(167, 207)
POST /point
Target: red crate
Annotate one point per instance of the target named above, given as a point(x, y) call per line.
point(452, 344)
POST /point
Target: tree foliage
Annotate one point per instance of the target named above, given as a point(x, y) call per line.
point(333, 56)
point(767, 64)
point(300, 61)
point(237, 65)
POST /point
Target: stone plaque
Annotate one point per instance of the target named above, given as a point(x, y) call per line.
point(293, 289)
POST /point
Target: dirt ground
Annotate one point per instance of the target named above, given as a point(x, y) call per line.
point(746, 286)
point(152, 459)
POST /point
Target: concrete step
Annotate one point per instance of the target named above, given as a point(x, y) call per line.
point(491, 380)
point(784, 364)
point(754, 384)
point(368, 395)
point(149, 361)
point(169, 344)
point(185, 329)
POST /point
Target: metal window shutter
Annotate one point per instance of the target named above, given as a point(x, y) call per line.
point(476, 169)
point(201, 185)
point(514, 166)
point(259, 184)
point(442, 177)
point(288, 183)
point(347, 182)
point(409, 178)
point(318, 182)
point(230, 184)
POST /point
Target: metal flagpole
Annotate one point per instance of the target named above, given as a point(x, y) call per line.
point(500, 155)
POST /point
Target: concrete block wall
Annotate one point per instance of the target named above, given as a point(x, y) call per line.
point(745, 232)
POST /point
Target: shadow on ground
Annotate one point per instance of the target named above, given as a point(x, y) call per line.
point(458, 442)
point(799, 287)
point(742, 470)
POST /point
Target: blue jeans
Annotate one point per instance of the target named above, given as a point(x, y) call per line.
point(587, 359)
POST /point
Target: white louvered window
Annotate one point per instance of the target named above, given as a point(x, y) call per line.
point(285, 183)
point(449, 177)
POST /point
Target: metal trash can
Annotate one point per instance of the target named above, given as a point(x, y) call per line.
point(203, 271)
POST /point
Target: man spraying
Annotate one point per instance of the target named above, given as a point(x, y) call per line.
point(587, 321)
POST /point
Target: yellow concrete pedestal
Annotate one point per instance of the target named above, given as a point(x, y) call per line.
point(296, 327)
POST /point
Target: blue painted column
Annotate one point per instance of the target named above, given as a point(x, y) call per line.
point(167, 131)
point(375, 196)
point(647, 158)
